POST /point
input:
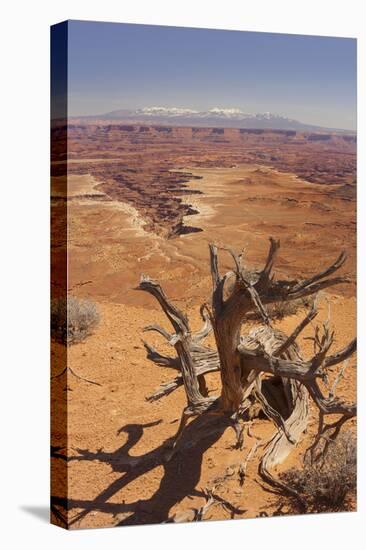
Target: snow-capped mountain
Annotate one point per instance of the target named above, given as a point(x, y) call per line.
point(215, 117)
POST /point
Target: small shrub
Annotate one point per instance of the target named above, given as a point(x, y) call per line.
point(280, 310)
point(73, 319)
point(330, 484)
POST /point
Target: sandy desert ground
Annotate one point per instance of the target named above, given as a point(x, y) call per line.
point(226, 194)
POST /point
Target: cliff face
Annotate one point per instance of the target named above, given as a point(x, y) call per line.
point(107, 127)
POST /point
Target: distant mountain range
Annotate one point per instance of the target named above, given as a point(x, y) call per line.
point(216, 117)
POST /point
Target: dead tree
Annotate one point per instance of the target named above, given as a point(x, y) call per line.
point(265, 366)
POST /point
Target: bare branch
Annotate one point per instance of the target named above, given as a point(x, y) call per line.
point(175, 316)
point(337, 379)
point(243, 465)
point(160, 330)
point(300, 327)
point(214, 267)
point(329, 271)
point(316, 287)
point(207, 326)
point(330, 406)
point(182, 341)
point(210, 500)
point(265, 275)
point(76, 376)
point(327, 433)
point(166, 388)
point(236, 259)
point(341, 355)
point(258, 304)
point(82, 378)
point(303, 371)
point(260, 361)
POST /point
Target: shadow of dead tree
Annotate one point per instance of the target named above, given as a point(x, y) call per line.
point(181, 475)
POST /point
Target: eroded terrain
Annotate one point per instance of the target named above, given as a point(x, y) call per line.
point(149, 200)
point(138, 163)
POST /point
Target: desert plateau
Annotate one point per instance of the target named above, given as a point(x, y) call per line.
point(149, 200)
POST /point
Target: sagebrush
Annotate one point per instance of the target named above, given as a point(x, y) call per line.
point(280, 310)
point(73, 319)
point(329, 484)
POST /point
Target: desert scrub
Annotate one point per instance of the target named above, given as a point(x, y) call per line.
point(279, 310)
point(73, 319)
point(329, 484)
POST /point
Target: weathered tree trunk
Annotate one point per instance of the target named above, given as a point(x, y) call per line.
point(227, 327)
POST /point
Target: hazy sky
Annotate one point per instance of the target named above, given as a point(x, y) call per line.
point(117, 66)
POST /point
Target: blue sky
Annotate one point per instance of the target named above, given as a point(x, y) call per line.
point(117, 66)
